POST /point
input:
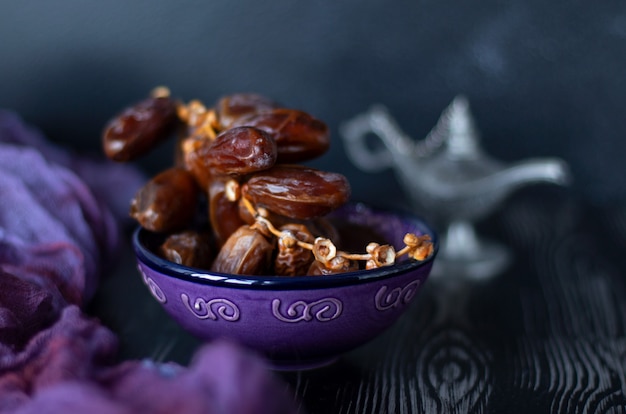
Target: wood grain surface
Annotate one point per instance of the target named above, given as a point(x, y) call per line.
point(548, 335)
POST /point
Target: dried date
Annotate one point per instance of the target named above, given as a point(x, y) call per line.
point(232, 108)
point(167, 202)
point(139, 128)
point(223, 210)
point(292, 259)
point(297, 192)
point(246, 252)
point(188, 248)
point(299, 136)
point(236, 151)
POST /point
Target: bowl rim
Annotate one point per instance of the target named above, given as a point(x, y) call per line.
point(207, 277)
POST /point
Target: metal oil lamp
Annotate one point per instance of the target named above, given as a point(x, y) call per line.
point(450, 179)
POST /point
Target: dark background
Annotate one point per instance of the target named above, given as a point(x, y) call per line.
point(543, 78)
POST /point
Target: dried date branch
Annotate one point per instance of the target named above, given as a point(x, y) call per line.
point(417, 247)
point(201, 121)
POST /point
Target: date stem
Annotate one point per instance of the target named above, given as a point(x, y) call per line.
point(417, 247)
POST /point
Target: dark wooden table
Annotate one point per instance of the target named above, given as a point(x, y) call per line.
point(548, 335)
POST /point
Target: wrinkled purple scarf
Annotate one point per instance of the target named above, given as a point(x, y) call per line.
point(58, 225)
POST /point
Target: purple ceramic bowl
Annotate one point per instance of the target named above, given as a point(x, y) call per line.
point(296, 322)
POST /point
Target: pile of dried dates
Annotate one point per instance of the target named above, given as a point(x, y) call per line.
point(236, 200)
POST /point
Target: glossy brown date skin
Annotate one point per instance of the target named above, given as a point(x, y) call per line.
point(167, 202)
point(139, 128)
point(236, 151)
point(189, 248)
point(299, 136)
point(246, 252)
point(224, 215)
point(241, 150)
point(297, 192)
point(231, 108)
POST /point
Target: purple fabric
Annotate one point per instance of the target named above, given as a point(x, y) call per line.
point(100, 176)
point(58, 228)
point(65, 226)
